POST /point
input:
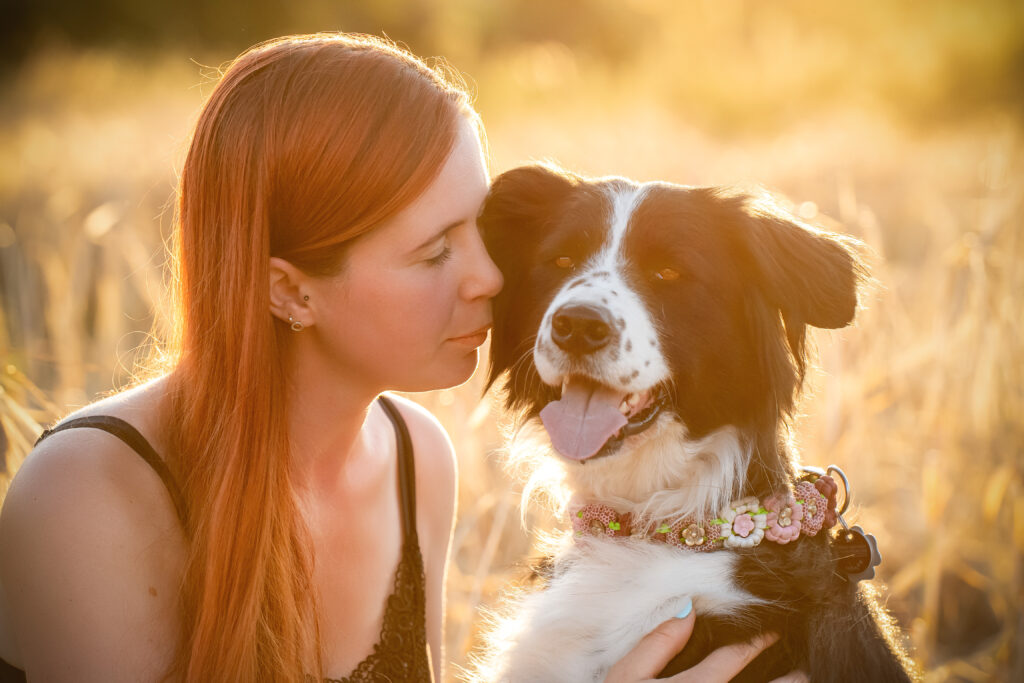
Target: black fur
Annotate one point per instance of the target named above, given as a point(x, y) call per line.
point(733, 330)
point(828, 624)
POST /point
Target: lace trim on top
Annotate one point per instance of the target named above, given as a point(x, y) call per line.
point(401, 652)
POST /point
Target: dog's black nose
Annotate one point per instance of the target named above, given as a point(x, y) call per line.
point(581, 329)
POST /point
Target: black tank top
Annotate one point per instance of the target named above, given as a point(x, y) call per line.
point(401, 652)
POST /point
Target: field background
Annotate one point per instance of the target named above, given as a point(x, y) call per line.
point(897, 121)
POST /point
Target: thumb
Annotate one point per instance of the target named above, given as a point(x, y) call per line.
point(653, 652)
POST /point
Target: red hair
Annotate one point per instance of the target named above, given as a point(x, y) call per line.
point(305, 143)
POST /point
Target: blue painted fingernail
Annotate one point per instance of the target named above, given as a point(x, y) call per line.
point(687, 608)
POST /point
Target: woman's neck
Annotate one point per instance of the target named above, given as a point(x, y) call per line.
point(327, 419)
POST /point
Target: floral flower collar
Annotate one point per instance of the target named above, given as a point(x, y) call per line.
point(747, 522)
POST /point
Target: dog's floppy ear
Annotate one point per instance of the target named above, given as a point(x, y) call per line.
point(517, 212)
point(519, 204)
point(518, 209)
point(810, 275)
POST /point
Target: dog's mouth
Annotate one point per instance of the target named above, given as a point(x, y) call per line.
point(591, 420)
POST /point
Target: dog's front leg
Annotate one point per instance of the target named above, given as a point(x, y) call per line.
point(551, 636)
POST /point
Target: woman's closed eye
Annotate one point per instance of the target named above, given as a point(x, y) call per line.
point(443, 255)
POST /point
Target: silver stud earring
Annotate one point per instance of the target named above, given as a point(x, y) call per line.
point(296, 325)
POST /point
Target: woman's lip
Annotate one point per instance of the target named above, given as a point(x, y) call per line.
point(473, 338)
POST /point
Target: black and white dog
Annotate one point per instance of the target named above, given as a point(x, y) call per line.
point(651, 338)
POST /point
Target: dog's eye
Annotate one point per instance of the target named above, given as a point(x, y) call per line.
point(666, 274)
point(564, 262)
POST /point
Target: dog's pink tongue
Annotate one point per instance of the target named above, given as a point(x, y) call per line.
point(584, 418)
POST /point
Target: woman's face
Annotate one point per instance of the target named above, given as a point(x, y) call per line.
point(411, 306)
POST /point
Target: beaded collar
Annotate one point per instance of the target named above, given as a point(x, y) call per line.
point(747, 522)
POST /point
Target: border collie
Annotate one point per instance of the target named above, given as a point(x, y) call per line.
point(651, 339)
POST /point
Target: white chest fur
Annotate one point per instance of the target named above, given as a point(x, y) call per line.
point(606, 594)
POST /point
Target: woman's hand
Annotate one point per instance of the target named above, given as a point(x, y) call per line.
point(658, 647)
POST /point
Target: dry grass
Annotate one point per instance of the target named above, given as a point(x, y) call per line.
point(921, 402)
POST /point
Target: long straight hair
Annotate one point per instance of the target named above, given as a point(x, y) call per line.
point(305, 143)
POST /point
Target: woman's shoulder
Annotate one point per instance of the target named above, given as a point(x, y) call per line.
point(79, 494)
point(80, 466)
point(83, 490)
point(428, 434)
point(435, 461)
point(85, 480)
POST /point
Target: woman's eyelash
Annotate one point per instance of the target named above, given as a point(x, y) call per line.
point(445, 254)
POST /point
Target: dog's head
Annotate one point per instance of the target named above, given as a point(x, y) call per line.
point(635, 313)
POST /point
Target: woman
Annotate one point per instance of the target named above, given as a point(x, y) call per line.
point(284, 520)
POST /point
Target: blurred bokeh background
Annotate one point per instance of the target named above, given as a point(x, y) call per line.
point(896, 121)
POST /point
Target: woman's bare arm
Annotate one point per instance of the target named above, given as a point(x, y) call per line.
point(90, 562)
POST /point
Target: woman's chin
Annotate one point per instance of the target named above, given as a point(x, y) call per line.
point(461, 372)
point(453, 374)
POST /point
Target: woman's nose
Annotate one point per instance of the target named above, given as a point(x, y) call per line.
point(483, 279)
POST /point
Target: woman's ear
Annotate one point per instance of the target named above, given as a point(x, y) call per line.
point(288, 293)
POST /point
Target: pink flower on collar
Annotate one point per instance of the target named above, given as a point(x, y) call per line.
point(743, 523)
point(815, 506)
point(596, 520)
point(689, 534)
point(784, 515)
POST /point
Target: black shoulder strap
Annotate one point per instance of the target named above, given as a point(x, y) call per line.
point(135, 440)
point(406, 468)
